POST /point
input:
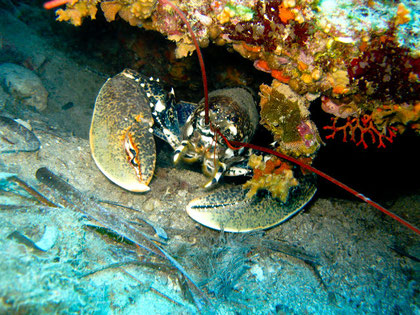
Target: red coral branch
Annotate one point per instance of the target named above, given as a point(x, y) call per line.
point(358, 127)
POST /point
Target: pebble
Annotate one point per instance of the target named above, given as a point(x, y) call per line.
point(23, 85)
point(151, 205)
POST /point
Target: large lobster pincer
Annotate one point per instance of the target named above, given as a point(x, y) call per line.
point(131, 109)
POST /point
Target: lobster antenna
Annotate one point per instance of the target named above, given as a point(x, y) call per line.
point(55, 3)
point(199, 55)
point(278, 154)
point(327, 177)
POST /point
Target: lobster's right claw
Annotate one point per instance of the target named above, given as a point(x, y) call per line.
point(230, 210)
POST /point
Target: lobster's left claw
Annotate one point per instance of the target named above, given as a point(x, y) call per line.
point(230, 210)
point(121, 139)
point(126, 157)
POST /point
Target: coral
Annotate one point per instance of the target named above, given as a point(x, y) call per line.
point(132, 11)
point(357, 55)
point(271, 174)
point(76, 10)
point(359, 127)
point(382, 124)
point(399, 116)
point(283, 112)
point(110, 9)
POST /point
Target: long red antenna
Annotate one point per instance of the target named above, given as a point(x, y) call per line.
point(199, 55)
point(327, 177)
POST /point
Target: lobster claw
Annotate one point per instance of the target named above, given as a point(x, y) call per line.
point(231, 210)
point(121, 139)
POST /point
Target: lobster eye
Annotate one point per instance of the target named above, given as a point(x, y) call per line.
point(234, 119)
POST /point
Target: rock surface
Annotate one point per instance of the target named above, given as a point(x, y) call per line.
point(23, 85)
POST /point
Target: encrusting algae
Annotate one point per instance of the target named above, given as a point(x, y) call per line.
point(284, 113)
point(271, 174)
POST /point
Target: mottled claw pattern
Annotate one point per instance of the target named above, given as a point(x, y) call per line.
point(121, 137)
point(231, 210)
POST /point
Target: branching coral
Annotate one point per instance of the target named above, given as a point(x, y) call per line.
point(359, 127)
point(383, 124)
